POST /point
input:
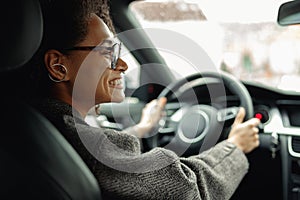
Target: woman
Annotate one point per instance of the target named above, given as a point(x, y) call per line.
point(78, 67)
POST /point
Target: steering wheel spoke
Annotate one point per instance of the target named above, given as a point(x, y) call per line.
point(227, 115)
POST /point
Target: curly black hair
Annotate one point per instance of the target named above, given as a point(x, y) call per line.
point(65, 21)
point(65, 25)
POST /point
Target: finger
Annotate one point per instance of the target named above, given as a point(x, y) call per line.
point(152, 103)
point(255, 130)
point(162, 102)
point(239, 117)
point(253, 122)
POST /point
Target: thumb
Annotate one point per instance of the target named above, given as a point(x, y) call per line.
point(239, 117)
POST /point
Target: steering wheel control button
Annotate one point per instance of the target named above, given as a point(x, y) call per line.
point(261, 113)
point(258, 116)
point(262, 116)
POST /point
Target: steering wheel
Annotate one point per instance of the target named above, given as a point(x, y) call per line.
point(197, 127)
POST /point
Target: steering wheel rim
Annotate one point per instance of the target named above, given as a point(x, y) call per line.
point(230, 82)
point(233, 84)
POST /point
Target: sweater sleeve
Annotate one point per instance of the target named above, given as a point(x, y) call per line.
point(218, 170)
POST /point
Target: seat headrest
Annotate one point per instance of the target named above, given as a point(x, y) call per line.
point(22, 30)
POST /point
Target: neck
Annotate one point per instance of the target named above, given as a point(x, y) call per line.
point(82, 109)
point(81, 105)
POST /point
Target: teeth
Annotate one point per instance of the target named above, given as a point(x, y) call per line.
point(115, 82)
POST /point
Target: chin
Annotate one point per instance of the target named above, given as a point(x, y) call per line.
point(117, 98)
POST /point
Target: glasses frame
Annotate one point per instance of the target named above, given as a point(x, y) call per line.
point(114, 56)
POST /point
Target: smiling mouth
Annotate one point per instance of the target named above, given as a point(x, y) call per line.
point(117, 83)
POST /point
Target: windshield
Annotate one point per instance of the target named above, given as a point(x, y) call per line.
point(241, 37)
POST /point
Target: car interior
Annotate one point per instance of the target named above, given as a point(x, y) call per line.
point(38, 163)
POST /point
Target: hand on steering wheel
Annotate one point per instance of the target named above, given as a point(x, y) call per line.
point(244, 135)
point(200, 126)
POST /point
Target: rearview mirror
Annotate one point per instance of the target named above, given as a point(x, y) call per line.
point(289, 13)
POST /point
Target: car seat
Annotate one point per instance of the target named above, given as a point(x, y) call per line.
point(36, 162)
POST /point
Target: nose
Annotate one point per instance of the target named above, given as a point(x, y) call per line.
point(121, 65)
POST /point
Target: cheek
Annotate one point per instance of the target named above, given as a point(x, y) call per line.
point(95, 68)
point(104, 92)
point(91, 77)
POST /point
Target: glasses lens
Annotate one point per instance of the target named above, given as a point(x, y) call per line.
point(115, 55)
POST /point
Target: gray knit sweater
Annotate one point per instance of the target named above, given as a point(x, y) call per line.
point(123, 172)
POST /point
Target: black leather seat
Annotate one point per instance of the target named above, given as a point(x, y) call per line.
point(36, 162)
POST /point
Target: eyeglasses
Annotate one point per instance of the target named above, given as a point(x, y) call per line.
point(113, 51)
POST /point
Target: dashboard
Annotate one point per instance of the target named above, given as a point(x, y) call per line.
point(281, 114)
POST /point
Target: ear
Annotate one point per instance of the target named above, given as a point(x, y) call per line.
point(55, 63)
